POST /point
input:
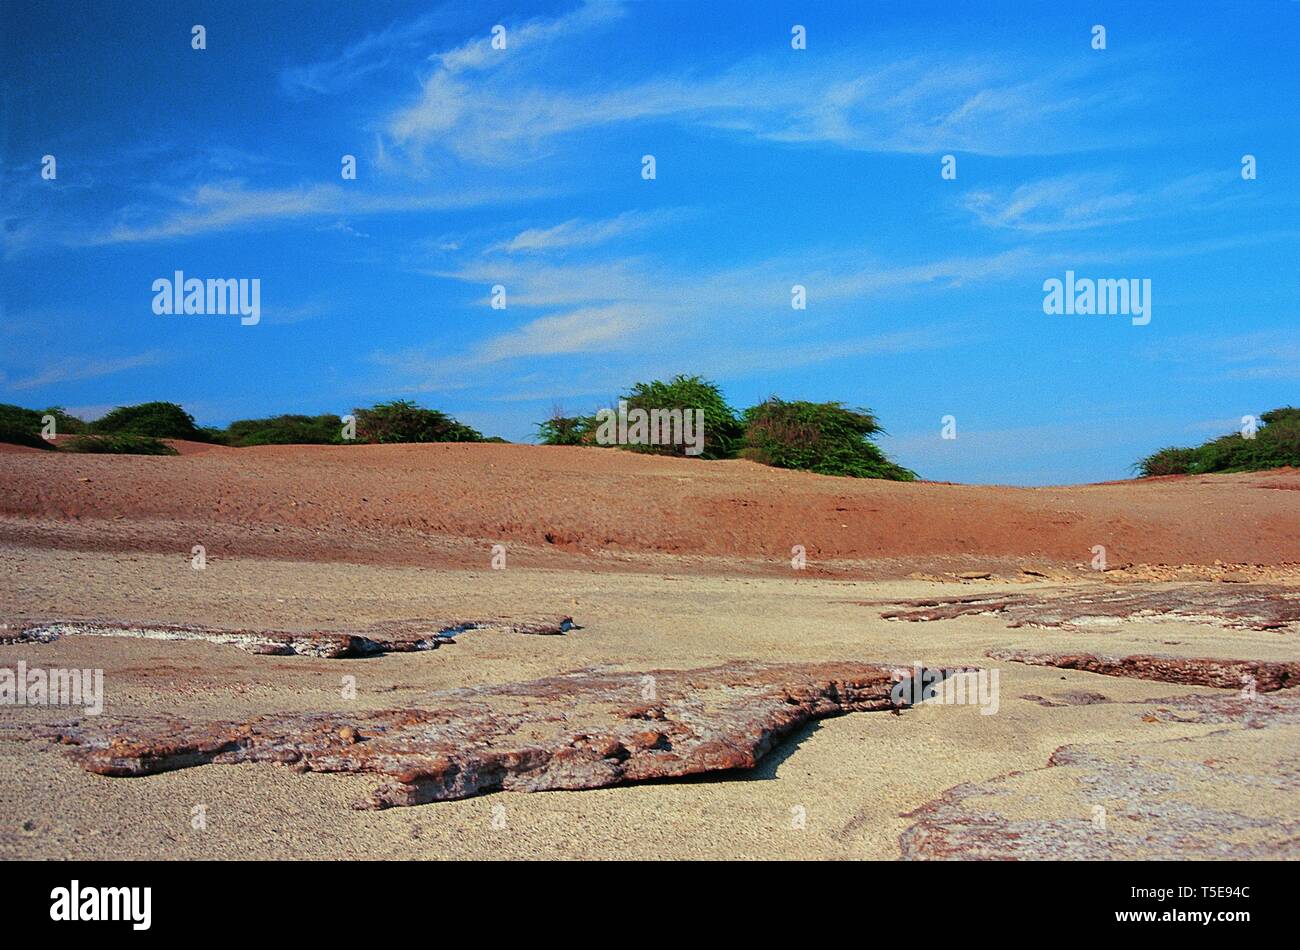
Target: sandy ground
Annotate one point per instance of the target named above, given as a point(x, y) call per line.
point(691, 570)
point(579, 507)
point(854, 778)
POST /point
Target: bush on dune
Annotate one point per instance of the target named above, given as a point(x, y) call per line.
point(19, 426)
point(722, 429)
point(1168, 461)
point(826, 438)
point(120, 444)
point(822, 437)
point(403, 421)
point(214, 435)
point(159, 420)
point(65, 424)
point(567, 430)
point(1276, 444)
point(325, 429)
point(396, 421)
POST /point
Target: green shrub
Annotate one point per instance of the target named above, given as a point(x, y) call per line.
point(819, 437)
point(19, 426)
point(1284, 414)
point(567, 430)
point(1168, 461)
point(160, 420)
point(403, 421)
point(1276, 444)
point(722, 430)
point(286, 430)
point(214, 435)
point(124, 443)
point(822, 437)
point(65, 424)
point(1229, 453)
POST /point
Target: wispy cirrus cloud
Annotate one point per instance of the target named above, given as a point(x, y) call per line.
point(374, 52)
point(1087, 200)
point(505, 106)
point(586, 330)
point(607, 318)
point(829, 277)
point(579, 232)
point(71, 369)
point(614, 317)
point(230, 205)
point(1261, 355)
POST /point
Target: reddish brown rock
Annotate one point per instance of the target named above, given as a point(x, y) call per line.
point(1250, 607)
point(1253, 710)
point(388, 636)
point(583, 730)
point(1071, 697)
point(1267, 675)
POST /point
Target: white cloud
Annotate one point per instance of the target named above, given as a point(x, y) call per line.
point(587, 330)
point(374, 52)
point(227, 205)
point(1196, 359)
point(75, 369)
point(1081, 201)
point(533, 283)
point(583, 233)
point(506, 106)
point(618, 317)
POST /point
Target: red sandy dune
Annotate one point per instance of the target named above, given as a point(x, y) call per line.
point(446, 503)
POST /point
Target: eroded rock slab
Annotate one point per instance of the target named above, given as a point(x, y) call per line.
point(389, 636)
point(1229, 795)
point(1070, 697)
point(1240, 606)
point(1253, 711)
point(1265, 675)
point(584, 730)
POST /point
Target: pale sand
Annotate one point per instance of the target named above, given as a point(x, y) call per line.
point(854, 777)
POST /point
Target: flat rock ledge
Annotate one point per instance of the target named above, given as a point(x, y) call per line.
point(389, 636)
point(1267, 675)
point(1227, 795)
point(1240, 606)
point(588, 729)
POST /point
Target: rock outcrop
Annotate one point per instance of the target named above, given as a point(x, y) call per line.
point(389, 636)
point(1228, 794)
point(1241, 606)
point(583, 730)
point(1264, 675)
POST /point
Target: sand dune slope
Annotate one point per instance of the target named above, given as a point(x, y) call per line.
point(440, 504)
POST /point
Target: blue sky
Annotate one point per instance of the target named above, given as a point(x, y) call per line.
point(774, 167)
